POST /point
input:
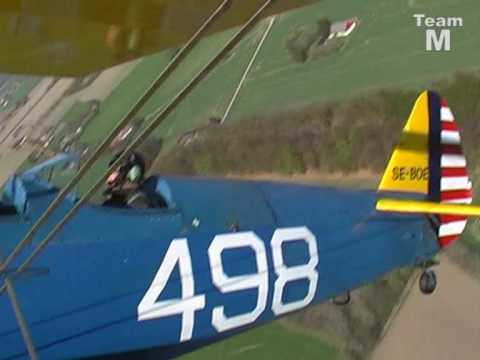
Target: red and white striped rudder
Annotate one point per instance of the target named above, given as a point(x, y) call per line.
point(455, 184)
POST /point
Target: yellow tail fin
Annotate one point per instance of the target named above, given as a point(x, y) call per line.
point(408, 167)
point(429, 160)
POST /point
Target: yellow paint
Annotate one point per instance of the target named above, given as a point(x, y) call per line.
point(408, 166)
point(76, 37)
point(425, 207)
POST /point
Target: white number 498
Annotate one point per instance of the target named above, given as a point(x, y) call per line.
point(178, 252)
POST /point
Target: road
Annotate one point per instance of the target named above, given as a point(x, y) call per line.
point(17, 126)
point(25, 117)
point(45, 107)
point(443, 326)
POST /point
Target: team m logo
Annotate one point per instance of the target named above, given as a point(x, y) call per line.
point(438, 30)
point(438, 40)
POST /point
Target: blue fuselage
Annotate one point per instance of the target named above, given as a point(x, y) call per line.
point(223, 257)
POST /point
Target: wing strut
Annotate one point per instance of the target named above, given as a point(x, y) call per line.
point(160, 117)
point(22, 324)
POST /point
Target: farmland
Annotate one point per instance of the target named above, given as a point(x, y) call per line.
point(387, 50)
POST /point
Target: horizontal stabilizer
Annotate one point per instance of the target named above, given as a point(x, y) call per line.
point(427, 207)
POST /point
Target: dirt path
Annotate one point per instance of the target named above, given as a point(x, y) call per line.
point(36, 116)
point(441, 327)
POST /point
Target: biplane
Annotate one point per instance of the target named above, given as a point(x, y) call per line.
point(211, 257)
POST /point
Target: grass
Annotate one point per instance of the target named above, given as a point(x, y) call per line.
point(273, 341)
point(387, 50)
point(322, 138)
point(123, 98)
point(74, 118)
point(77, 112)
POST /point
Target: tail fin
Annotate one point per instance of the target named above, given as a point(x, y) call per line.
point(429, 160)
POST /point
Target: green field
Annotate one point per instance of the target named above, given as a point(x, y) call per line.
point(273, 341)
point(386, 50)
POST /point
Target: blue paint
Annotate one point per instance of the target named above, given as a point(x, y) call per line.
point(434, 146)
point(104, 260)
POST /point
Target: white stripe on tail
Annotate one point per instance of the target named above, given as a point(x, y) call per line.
point(455, 185)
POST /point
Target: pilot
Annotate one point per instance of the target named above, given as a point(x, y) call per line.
point(124, 180)
point(130, 173)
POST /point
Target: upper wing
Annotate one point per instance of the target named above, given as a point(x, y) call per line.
point(75, 37)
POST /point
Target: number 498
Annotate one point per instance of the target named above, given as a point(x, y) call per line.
point(179, 253)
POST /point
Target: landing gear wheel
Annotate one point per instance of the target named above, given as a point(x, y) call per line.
point(428, 282)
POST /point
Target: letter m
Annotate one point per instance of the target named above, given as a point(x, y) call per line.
point(438, 40)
